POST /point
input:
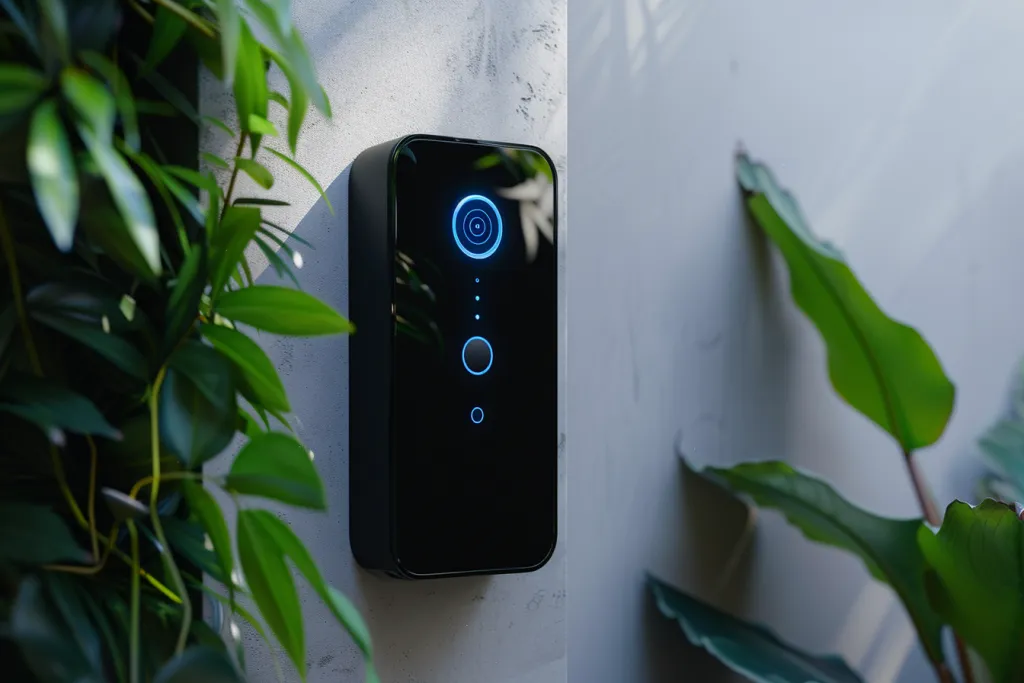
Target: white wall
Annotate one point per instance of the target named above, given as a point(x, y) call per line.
point(899, 128)
point(488, 69)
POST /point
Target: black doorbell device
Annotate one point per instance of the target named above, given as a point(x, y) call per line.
point(454, 363)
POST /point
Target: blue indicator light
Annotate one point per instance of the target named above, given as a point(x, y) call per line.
point(477, 279)
point(481, 356)
point(478, 298)
point(476, 226)
point(477, 415)
point(477, 316)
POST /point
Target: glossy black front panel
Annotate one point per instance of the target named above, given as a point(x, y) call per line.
point(475, 373)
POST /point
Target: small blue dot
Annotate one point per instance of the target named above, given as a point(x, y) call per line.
point(478, 298)
point(478, 279)
point(477, 316)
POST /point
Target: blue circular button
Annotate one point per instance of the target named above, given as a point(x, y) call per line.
point(477, 415)
point(477, 355)
point(476, 225)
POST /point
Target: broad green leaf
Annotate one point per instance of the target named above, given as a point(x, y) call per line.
point(163, 184)
point(117, 82)
point(207, 511)
point(259, 125)
point(43, 638)
point(197, 404)
point(256, 171)
point(54, 178)
point(112, 347)
point(183, 305)
point(748, 649)
point(21, 86)
point(129, 196)
point(33, 534)
point(305, 174)
point(250, 79)
point(886, 546)
point(881, 367)
point(977, 582)
point(274, 465)
point(84, 300)
point(106, 228)
point(341, 607)
point(257, 369)
point(1002, 447)
point(228, 244)
point(54, 405)
point(272, 587)
point(214, 160)
point(259, 201)
point(168, 28)
point(92, 101)
point(230, 34)
point(280, 310)
point(199, 664)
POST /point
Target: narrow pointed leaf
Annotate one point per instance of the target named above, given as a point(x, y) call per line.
point(977, 582)
point(258, 124)
point(280, 310)
point(54, 178)
point(129, 196)
point(21, 86)
point(110, 346)
point(881, 367)
point(230, 32)
point(33, 534)
point(217, 123)
point(168, 28)
point(305, 174)
point(214, 160)
point(272, 588)
point(256, 171)
point(205, 508)
point(276, 466)
point(123, 98)
point(259, 201)
point(887, 547)
point(250, 359)
point(199, 664)
point(56, 405)
point(281, 269)
point(748, 649)
point(183, 305)
point(92, 101)
point(250, 88)
point(228, 246)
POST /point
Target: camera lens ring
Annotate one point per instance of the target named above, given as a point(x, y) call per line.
point(477, 226)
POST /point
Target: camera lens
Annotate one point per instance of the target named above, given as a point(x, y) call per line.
point(476, 225)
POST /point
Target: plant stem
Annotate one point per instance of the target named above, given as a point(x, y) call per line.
point(190, 17)
point(234, 175)
point(92, 497)
point(158, 529)
point(932, 516)
point(16, 294)
point(133, 628)
point(146, 481)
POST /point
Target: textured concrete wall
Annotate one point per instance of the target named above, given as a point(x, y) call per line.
point(489, 69)
point(898, 127)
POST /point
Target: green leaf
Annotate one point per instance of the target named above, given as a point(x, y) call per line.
point(197, 404)
point(117, 82)
point(305, 174)
point(256, 171)
point(129, 196)
point(112, 347)
point(228, 245)
point(886, 546)
point(1002, 447)
point(259, 201)
point(977, 582)
point(38, 629)
point(214, 160)
point(280, 267)
point(68, 599)
point(33, 534)
point(217, 123)
point(882, 368)
point(250, 88)
point(21, 86)
point(299, 104)
point(168, 28)
point(272, 587)
point(748, 649)
point(54, 179)
point(106, 229)
point(20, 22)
point(280, 310)
point(54, 31)
point(183, 305)
point(275, 465)
point(202, 181)
point(199, 664)
point(258, 124)
point(208, 512)
point(278, 98)
point(257, 369)
point(292, 547)
point(230, 35)
point(286, 233)
point(170, 93)
point(164, 186)
point(91, 100)
point(53, 405)
point(188, 539)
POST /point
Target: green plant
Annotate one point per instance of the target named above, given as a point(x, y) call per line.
point(967, 577)
point(124, 365)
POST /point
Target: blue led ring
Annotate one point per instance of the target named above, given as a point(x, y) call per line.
point(484, 231)
point(490, 356)
point(476, 415)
